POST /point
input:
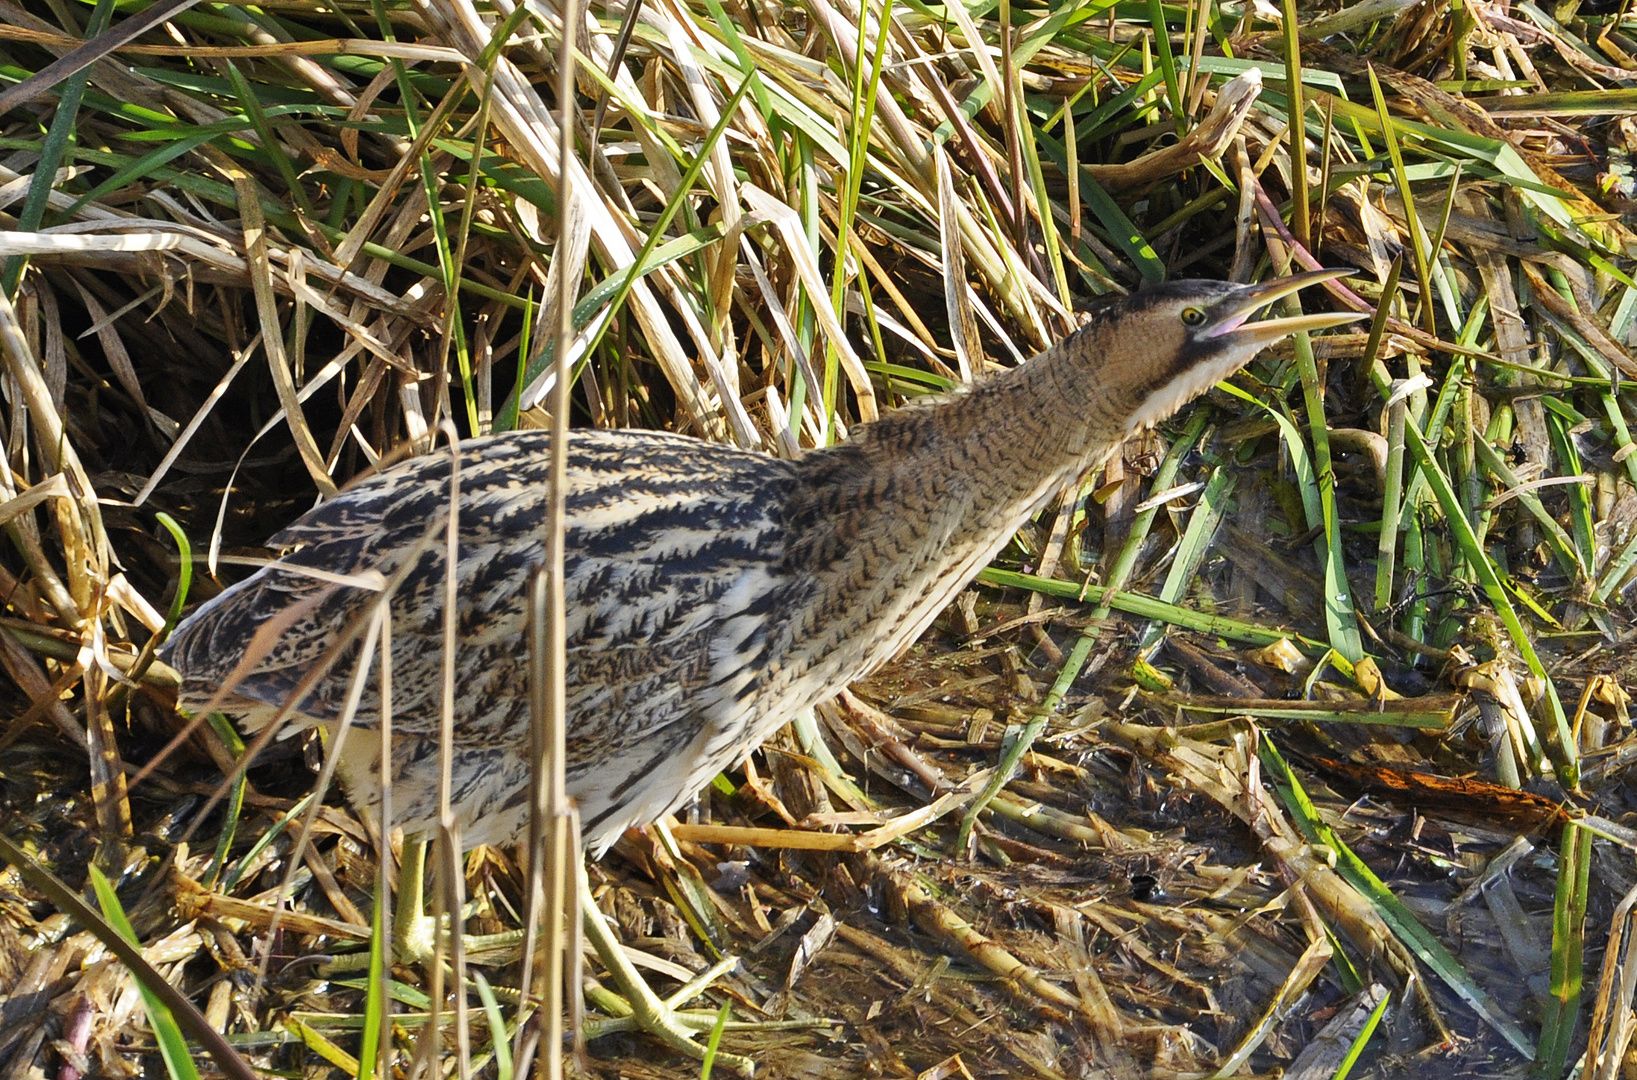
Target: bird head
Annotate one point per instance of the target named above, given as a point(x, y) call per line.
point(1177, 340)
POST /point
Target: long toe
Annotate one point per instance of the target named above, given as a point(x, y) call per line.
point(647, 1012)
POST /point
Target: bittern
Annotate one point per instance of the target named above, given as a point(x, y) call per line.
point(711, 592)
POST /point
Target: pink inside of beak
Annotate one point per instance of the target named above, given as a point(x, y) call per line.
point(1231, 325)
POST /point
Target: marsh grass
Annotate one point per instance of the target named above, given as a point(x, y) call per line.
point(1319, 686)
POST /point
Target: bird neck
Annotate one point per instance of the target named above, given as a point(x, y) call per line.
point(890, 525)
point(1005, 444)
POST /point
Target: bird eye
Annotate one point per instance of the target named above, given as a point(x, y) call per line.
point(1192, 316)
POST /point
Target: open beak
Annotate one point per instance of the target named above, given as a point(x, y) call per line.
point(1234, 316)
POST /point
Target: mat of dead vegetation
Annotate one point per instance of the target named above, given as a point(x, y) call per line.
point(1297, 740)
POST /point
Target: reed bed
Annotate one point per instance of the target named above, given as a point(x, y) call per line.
point(1297, 740)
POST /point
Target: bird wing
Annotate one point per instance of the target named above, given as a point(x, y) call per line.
point(673, 547)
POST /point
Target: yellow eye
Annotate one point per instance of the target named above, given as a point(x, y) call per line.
point(1193, 317)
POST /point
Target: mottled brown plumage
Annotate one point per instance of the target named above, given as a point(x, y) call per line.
point(711, 592)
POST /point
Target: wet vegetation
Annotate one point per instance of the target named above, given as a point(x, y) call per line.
point(1298, 737)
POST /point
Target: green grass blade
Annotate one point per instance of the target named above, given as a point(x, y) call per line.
point(640, 265)
point(1167, 62)
point(1467, 541)
point(499, 1040)
point(248, 859)
point(1147, 607)
point(184, 571)
point(1418, 241)
point(1317, 482)
point(714, 1043)
point(1580, 506)
point(1404, 924)
point(122, 946)
point(377, 1025)
point(271, 146)
point(173, 1048)
point(1363, 1038)
point(55, 150)
point(1296, 117)
point(1568, 952)
point(1196, 539)
point(231, 739)
point(1126, 236)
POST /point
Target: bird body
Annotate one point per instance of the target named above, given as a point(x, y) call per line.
point(711, 593)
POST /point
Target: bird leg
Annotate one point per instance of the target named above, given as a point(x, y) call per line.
point(414, 933)
point(661, 1019)
point(414, 940)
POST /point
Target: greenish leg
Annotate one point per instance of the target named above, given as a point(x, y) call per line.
point(414, 936)
point(414, 941)
point(661, 1019)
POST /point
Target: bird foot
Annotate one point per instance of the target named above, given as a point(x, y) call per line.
point(415, 933)
point(643, 1010)
point(415, 943)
